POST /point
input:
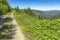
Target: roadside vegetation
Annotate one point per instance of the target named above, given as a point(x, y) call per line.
point(35, 28)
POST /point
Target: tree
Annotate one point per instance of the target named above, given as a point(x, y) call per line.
point(4, 7)
point(17, 9)
point(29, 11)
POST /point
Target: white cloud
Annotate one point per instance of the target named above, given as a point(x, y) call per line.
point(45, 8)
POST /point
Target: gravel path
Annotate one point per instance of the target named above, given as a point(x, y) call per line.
point(19, 35)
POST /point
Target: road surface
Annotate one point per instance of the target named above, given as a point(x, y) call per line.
point(19, 35)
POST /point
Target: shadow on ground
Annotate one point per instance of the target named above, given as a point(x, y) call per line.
point(8, 30)
point(2, 20)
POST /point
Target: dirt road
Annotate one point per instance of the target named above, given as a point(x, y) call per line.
point(19, 35)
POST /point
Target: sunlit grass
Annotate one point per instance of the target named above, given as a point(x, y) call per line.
point(36, 29)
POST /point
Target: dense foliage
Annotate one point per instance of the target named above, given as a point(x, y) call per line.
point(36, 29)
point(4, 7)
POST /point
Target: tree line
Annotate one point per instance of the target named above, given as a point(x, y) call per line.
point(42, 15)
point(5, 7)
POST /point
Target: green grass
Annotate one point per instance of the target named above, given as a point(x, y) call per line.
point(35, 29)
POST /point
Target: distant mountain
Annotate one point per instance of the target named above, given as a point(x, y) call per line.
point(38, 12)
point(52, 12)
point(48, 14)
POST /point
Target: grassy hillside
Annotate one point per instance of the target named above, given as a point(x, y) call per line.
point(37, 29)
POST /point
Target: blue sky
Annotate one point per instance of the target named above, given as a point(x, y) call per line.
point(36, 4)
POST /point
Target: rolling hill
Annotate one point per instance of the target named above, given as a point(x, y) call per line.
point(48, 14)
